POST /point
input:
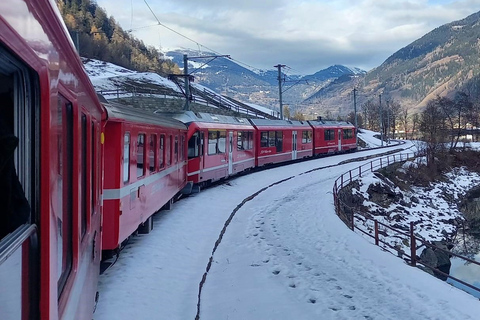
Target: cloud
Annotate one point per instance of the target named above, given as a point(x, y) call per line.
point(307, 35)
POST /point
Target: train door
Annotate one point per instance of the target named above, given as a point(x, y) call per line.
point(230, 152)
point(294, 145)
point(339, 139)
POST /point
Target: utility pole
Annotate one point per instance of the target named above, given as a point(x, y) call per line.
point(187, 76)
point(279, 67)
point(187, 83)
point(381, 118)
point(355, 111)
point(388, 122)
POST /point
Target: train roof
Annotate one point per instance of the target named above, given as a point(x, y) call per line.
point(188, 117)
point(278, 123)
point(122, 113)
point(330, 123)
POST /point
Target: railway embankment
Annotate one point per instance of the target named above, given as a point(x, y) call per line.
point(441, 209)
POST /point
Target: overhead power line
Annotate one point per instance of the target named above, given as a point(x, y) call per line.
point(196, 42)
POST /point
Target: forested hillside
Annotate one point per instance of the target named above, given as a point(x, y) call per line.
point(100, 37)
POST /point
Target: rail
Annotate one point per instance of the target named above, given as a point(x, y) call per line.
point(381, 230)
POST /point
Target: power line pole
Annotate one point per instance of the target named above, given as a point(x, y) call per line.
point(381, 118)
point(279, 67)
point(355, 111)
point(187, 83)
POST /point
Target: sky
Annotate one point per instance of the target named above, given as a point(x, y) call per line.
point(284, 255)
point(305, 35)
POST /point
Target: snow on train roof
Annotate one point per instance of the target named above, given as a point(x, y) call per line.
point(331, 123)
point(121, 112)
point(279, 123)
point(190, 116)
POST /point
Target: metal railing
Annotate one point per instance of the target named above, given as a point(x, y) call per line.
point(382, 231)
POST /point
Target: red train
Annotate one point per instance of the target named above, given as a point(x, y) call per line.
point(221, 146)
point(145, 168)
point(79, 175)
point(50, 169)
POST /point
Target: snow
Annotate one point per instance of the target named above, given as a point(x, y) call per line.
point(105, 76)
point(285, 255)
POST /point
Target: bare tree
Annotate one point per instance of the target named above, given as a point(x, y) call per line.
point(404, 117)
point(415, 123)
point(432, 126)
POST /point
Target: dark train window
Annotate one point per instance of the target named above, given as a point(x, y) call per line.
point(19, 159)
point(279, 141)
point(182, 148)
point(306, 136)
point(161, 152)
point(126, 157)
point(194, 145)
point(62, 128)
point(93, 190)
point(347, 133)
point(152, 150)
point(329, 134)
point(83, 166)
point(168, 150)
point(264, 139)
point(175, 148)
point(140, 155)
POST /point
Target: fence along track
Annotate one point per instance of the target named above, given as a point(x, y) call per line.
point(349, 219)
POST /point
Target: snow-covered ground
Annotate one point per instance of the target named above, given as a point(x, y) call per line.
point(285, 255)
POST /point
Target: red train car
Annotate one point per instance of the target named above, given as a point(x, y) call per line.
point(145, 168)
point(50, 168)
point(218, 146)
point(332, 136)
point(282, 140)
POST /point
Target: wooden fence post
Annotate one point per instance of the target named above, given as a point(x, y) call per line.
point(376, 233)
point(413, 247)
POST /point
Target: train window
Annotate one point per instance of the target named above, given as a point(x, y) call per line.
point(182, 148)
point(93, 168)
point(202, 139)
point(271, 139)
point(63, 207)
point(161, 152)
point(240, 139)
point(83, 166)
point(264, 139)
point(279, 141)
point(18, 157)
point(194, 146)
point(152, 150)
point(244, 140)
point(329, 134)
point(212, 142)
point(347, 133)
point(222, 141)
point(140, 155)
point(126, 157)
point(168, 151)
point(175, 156)
point(306, 136)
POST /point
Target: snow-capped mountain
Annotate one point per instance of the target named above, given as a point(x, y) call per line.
point(252, 85)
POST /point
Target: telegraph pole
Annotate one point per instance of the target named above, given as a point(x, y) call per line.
point(381, 118)
point(279, 67)
point(355, 111)
point(187, 83)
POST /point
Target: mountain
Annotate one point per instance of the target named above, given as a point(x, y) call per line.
point(442, 62)
point(229, 78)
